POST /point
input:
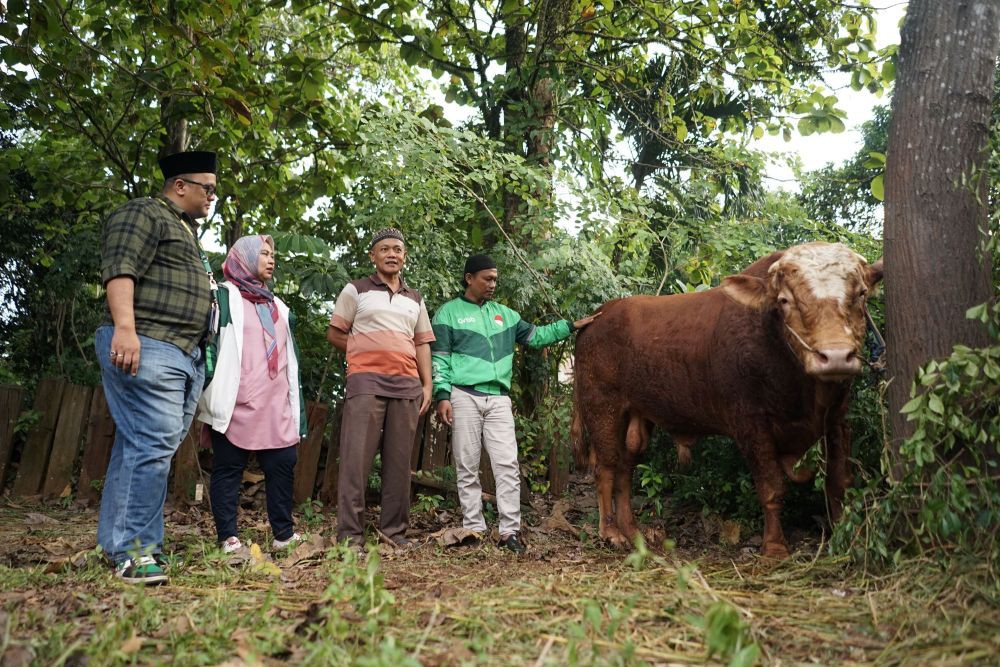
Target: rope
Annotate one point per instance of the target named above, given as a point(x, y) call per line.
point(877, 350)
point(804, 344)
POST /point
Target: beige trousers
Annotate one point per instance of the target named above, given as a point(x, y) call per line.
point(485, 421)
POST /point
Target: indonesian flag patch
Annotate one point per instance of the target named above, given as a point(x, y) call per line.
point(498, 320)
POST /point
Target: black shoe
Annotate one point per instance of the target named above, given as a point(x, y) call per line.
point(512, 543)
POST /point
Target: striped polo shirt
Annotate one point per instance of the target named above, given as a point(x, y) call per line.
point(383, 330)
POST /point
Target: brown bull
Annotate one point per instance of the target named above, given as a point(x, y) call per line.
point(766, 358)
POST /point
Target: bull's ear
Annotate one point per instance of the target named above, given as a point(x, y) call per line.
point(746, 290)
point(875, 273)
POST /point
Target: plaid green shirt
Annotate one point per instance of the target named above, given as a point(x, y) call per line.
point(153, 241)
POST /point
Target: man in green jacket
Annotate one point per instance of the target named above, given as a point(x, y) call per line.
point(472, 358)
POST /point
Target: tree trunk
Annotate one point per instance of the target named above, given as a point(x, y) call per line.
point(176, 138)
point(513, 115)
point(233, 230)
point(937, 142)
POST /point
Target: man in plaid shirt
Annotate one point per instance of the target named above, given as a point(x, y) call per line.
point(159, 302)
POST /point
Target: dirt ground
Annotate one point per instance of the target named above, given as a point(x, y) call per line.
point(568, 600)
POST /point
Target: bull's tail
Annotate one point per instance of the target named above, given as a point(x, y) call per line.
point(684, 443)
point(581, 444)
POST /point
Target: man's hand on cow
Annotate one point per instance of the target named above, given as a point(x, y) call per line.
point(584, 321)
point(444, 411)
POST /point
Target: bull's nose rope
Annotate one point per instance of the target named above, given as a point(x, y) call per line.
point(876, 363)
point(799, 338)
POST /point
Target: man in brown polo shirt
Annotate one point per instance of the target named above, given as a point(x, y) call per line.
point(383, 326)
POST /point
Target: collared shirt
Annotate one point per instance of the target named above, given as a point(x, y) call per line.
point(384, 328)
point(153, 241)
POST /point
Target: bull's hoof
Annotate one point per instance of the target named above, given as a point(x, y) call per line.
point(775, 551)
point(612, 535)
point(630, 533)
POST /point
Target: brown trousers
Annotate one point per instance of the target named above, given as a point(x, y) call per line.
point(371, 423)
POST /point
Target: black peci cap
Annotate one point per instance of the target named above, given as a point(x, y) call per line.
point(191, 162)
point(477, 263)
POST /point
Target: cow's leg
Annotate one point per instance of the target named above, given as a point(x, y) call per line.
point(636, 440)
point(838, 443)
point(769, 479)
point(606, 429)
point(604, 476)
point(623, 500)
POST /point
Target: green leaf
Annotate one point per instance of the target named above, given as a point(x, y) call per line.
point(875, 160)
point(747, 657)
point(878, 187)
point(980, 312)
point(888, 71)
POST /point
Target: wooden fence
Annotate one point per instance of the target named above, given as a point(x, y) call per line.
point(69, 435)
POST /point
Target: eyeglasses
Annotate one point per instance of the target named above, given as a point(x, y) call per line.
point(209, 189)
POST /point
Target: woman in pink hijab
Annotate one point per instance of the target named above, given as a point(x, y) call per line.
point(253, 401)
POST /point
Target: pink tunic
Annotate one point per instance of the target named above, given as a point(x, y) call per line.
point(262, 418)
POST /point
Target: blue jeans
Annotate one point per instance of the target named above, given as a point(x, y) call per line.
point(152, 412)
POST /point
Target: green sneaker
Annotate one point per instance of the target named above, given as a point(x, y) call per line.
point(143, 570)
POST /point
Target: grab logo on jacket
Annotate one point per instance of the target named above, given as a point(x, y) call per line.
point(498, 320)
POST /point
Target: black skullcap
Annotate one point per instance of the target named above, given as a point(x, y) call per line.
point(477, 263)
point(191, 162)
point(387, 233)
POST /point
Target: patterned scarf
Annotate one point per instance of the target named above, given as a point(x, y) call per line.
point(240, 268)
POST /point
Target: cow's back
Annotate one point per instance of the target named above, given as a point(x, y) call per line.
point(690, 363)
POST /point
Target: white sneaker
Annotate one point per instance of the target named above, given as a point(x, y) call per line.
point(282, 544)
point(231, 545)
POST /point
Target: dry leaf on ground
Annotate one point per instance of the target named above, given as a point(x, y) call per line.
point(453, 537)
point(261, 563)
point(557, 519)
point(311, 548)
point(38, 519)
point(729, 532)
point(131, 645)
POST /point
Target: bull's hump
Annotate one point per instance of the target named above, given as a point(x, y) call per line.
point(825, 268)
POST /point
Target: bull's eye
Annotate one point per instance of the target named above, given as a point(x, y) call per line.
point(863, 293)
point(783, 301)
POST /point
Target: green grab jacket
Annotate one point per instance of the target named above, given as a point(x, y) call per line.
point(475, 345)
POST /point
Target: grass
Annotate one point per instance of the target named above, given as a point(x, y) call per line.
point(566, 602)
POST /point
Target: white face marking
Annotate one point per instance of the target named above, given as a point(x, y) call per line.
point(826, 268)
